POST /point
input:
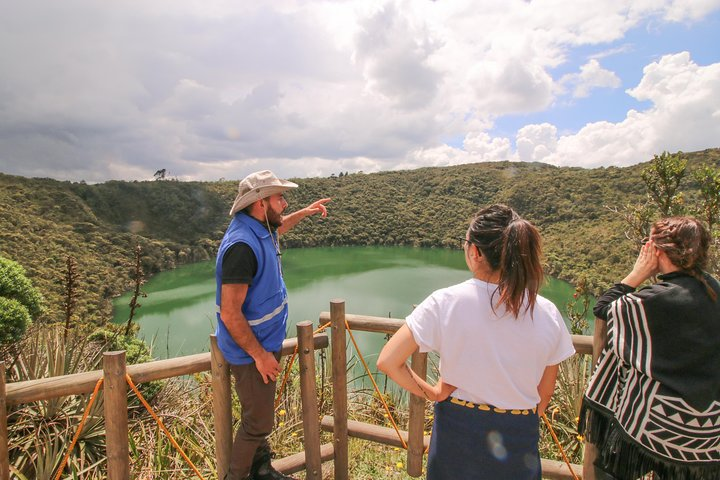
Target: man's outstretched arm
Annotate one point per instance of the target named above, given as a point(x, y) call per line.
point(289, 221)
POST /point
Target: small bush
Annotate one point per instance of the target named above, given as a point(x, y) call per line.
point(14, 320)
point(15, 285)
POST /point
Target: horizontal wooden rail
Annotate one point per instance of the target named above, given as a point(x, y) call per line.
point(365, 323)
point(557, 470)
point(583, 344)
point(551, 469)
point(79, 383)
point(296, 463)
point(375, 433)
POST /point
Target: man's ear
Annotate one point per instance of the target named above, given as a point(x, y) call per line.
point(257, 205)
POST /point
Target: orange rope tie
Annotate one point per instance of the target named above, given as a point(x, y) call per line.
point(79, 430)
point(162, 426)
point(289, 365)
point(557, 442)
point(377, 390)
point(288, 368)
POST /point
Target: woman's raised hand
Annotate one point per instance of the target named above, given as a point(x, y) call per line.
point(645, 267)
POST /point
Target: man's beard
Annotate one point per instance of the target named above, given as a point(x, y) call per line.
point(273, 218)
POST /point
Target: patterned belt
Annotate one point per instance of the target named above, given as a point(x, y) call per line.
point(489, 408)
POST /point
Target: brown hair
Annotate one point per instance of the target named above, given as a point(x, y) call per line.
point(513, 247)
point(686, 242)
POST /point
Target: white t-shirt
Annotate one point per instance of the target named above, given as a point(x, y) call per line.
point(491, 356)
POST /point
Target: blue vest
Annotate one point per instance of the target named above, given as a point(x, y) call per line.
point(265, 306)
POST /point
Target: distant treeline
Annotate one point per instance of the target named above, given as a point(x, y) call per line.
point(43, 221)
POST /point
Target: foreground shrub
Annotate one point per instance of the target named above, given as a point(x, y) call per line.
point(20, 302)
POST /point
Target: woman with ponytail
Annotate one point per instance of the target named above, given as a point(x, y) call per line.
point(653, 402)
point(499, 344)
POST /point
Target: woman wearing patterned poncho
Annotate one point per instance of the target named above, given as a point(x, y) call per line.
point(653, 402)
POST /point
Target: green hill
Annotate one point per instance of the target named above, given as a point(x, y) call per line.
point(42, 221)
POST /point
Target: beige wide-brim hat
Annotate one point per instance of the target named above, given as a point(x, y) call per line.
point(257, 186)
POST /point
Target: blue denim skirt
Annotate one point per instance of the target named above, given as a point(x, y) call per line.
point(471, 441)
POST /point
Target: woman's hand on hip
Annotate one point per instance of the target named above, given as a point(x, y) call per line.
point(442, 390)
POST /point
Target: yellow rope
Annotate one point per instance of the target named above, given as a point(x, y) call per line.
point(289, 365)
point(277, 401)
point(557, 442)
point(377, 390)
point(162, 426)
point(367, 369)
point(80, 427)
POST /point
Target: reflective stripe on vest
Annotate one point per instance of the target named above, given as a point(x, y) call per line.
point(264, 318)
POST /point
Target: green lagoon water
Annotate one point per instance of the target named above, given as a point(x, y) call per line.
point(178, 314)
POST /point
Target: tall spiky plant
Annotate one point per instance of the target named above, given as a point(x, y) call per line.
point(71, 293)
point(138, 280)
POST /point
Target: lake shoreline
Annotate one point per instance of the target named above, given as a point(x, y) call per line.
point(179, 312)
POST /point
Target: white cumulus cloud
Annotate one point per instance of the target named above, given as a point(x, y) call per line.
point(592, 75)
point(98, 90)
point(685, 101)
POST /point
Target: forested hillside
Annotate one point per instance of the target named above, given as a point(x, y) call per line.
point(42, 221)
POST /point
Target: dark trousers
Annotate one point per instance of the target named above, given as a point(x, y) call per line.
point(470, 444)
point(257, 419)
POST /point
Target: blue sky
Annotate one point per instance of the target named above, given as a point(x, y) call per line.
point(217, 89)
point(641, 45)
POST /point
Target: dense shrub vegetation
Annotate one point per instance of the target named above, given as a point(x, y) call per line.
point(76, 244)
point(44, 221)
point(20, 302)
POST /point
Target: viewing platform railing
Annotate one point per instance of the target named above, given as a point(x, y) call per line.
point(115, 400)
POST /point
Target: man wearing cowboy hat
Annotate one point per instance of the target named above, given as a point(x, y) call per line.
point(252, 312)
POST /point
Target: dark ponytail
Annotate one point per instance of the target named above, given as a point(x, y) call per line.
point(686, 242)
point(513, 247)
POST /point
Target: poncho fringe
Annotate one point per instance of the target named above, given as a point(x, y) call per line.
point(619, 454)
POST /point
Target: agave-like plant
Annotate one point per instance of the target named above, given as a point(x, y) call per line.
point(40, 432)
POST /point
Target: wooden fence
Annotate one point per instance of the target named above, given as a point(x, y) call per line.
point(115, 400)
point(115, 405)
point(416, 442)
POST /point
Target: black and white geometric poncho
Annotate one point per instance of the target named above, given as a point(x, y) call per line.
point(653, 402)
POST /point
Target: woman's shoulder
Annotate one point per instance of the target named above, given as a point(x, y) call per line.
point(546, 310)
point(452, 291)
point(672, 284)
point(547, 306)
point(448, 292)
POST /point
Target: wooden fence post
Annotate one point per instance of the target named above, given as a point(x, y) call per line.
point(339, 382)
point(416, 423)
point(4, 454)
point(116, 418)
point(308, 394)
point(222, 407)
point(590, 453)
